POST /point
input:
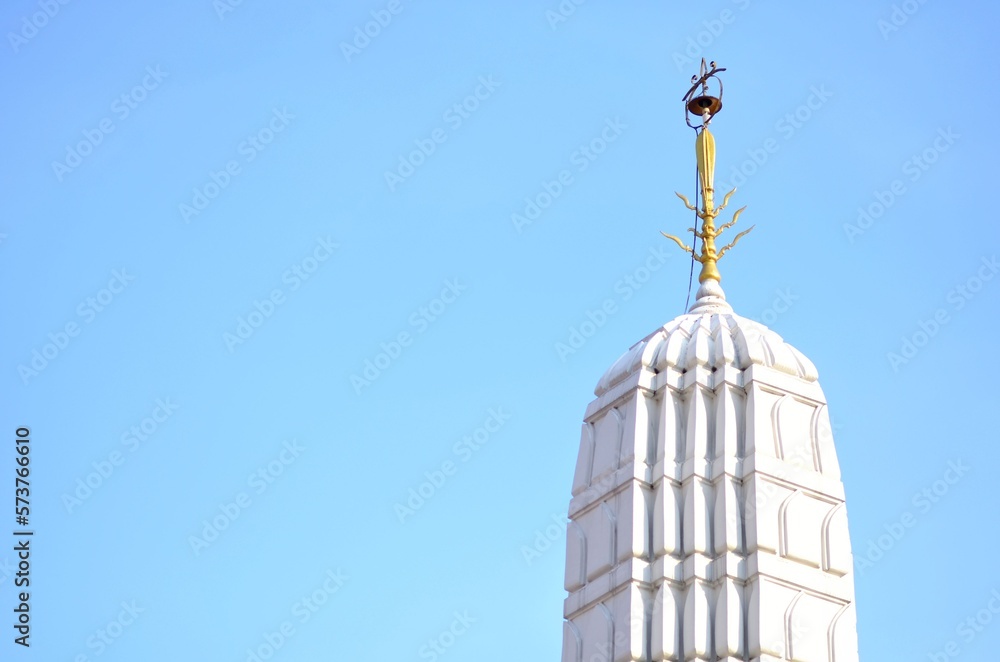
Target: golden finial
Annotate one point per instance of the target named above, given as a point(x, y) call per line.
point(706, 107)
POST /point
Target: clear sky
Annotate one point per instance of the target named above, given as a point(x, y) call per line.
point(268, 278)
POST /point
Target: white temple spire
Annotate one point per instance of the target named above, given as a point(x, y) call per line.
point(708, 518)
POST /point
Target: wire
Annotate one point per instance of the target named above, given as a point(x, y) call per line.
point(694, 238)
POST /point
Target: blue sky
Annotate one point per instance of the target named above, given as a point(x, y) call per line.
point(274, 278)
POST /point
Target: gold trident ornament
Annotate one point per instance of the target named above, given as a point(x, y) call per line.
point(705, 107)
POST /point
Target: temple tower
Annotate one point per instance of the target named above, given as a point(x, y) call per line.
point(707, 520)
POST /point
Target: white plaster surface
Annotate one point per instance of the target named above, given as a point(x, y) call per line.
point(708, 518)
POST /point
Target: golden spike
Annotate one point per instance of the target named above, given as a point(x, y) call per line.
point(687, 203)
point(726, 226)
point(725, 200)
point(708, 233)
point(708, 106)
point(733, 242)
point(684, 247)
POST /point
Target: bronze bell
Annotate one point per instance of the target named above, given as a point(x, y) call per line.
point(698, 105)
